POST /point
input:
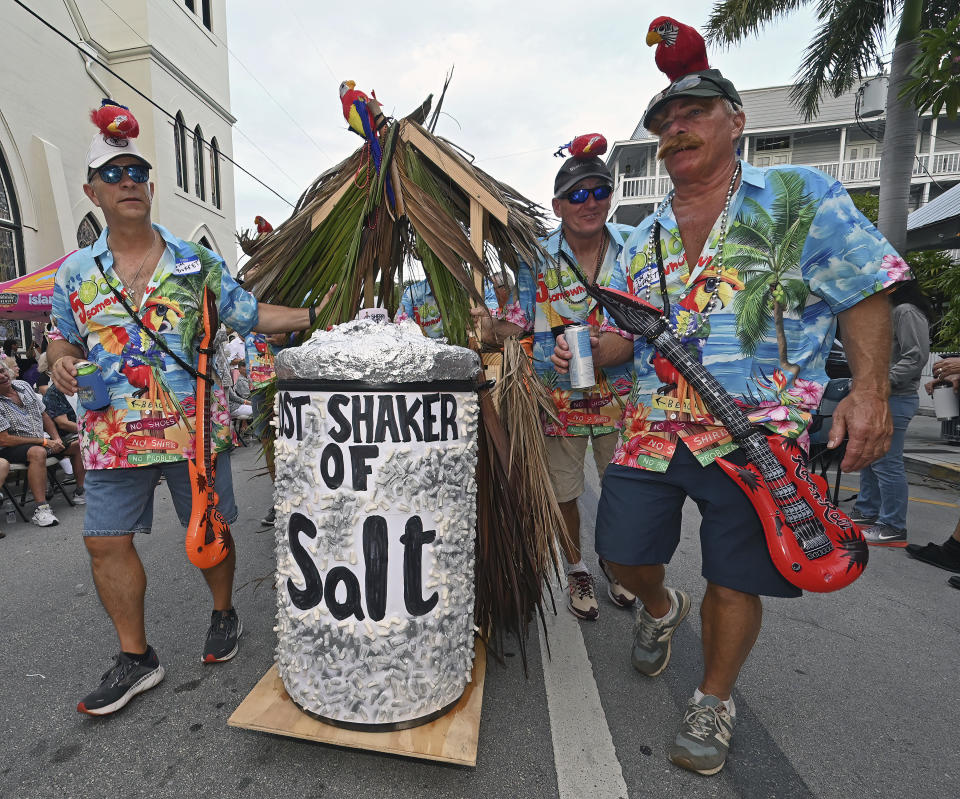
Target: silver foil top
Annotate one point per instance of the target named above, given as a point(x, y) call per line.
point(374, 352)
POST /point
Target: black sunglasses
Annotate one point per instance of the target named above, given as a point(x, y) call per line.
point(687, 83)
point(113, 173)
point(580, 196)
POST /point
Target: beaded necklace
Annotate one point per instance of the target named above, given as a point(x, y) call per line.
point(653, 246)
point(596, 272)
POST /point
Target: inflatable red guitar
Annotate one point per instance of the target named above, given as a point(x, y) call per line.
point(812, 543)
point(208, 538)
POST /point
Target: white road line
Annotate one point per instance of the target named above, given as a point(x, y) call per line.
point(583, 751)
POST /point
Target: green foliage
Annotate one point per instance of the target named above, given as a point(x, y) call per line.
point(939, 279)
point(936, 70)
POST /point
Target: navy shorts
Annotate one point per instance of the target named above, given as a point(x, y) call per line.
point(638, 523)
point(120, 501)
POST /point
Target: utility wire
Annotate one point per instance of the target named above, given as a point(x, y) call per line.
point(150, 100)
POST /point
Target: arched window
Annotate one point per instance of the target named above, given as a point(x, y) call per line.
point(205, 242)
point(11, 237)
point(199, 179)
point(88, 231)
point(180, 149)
point(215, 196)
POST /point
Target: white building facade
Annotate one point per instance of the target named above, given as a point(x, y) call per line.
point(174, 52)
point(835, 142)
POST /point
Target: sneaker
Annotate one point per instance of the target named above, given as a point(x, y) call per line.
point(582, 599)
point(936, 555)
point(862, 521)
point(121, 683)
point(883, 535)
point(223, 637)
point(43, 516)
point(651, 637)
point(79, 496)
point(703, 739)
point(619, 595)
point(270, 518)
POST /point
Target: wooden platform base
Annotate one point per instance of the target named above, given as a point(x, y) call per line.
point(450, 739)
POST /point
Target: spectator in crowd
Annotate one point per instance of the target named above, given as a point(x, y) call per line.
point(43, 378)
point(238, 396)
point(23, 423)
point(27, 364)
point(9, 350)
point(881, 508)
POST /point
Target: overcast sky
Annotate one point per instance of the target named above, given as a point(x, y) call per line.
point(529, 76)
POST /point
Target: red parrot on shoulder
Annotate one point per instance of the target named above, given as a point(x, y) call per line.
point(680, 48)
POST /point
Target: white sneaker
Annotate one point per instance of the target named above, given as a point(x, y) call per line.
point(43, 516)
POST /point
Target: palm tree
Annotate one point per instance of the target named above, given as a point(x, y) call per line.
point(847, 46)
point(765, 248)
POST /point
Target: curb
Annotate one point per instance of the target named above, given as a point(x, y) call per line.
point(935, 470)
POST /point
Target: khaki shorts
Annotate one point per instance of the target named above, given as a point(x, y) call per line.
point(565, 456)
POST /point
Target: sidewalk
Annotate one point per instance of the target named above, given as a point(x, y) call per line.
point(927, 454)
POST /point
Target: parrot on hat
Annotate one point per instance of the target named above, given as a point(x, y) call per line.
point(364, 122)
point(115, 121)
point(680, 48)
point(263, 226)
point(586, 146)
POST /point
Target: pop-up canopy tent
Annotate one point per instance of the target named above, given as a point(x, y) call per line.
point(30, 297)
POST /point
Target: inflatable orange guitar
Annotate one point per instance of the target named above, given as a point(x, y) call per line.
point(208, 539)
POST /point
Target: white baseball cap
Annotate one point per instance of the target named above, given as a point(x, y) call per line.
point(105, 148)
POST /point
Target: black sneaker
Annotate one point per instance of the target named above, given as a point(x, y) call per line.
point(223, 637)
point(121, 683)
point(269, 519)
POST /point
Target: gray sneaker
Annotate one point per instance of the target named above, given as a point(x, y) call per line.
point(651, 637)
point(703, 739)
point(883, 535)
point(862, 521)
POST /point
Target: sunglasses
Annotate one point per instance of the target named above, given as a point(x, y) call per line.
point(687, 83)
point(580, 196)
point(112, 173)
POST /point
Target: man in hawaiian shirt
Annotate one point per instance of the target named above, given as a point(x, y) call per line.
point(760, 266)
point(557, 299)
point(147, 429)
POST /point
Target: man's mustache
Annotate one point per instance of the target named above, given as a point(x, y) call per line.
point(678, 142)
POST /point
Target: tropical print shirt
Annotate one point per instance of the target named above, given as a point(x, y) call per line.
point(152, 408)
point(555, 299)
point(260, 360)
point(761, 316)
point(419, 304)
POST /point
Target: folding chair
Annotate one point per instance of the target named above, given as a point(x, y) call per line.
point(18, 471)
point(834, 391)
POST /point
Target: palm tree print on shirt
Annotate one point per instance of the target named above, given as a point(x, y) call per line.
point(766, 249)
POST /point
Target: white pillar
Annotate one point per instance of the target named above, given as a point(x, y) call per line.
point(843, 150)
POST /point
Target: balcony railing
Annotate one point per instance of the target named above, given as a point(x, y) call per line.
point(864, 172)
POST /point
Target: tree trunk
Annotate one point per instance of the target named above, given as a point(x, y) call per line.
point(785, 364)
point(900, 138)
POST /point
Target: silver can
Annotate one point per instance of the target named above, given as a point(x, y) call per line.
point(581, 356)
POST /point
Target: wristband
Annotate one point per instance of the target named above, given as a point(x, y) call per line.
point(313, 315)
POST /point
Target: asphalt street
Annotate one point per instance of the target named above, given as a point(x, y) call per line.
point(845, 695)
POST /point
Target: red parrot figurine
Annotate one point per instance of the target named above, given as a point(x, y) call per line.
point(263, 226)
point(586, 146)
point(115, 120)
point(680, 48)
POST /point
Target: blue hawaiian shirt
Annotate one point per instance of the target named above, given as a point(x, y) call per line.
point(419, 304)
point(761, 316)
point(152, 408)
point(556, 298)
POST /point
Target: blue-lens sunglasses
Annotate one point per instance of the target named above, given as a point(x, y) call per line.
point(579, 196)
point(113, 173)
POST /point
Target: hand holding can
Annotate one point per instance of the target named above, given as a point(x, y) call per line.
point(581, 356)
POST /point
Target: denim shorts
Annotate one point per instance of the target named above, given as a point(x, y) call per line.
point(638, 523)
point(120, 501)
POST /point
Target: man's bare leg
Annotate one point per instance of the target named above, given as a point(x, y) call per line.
point(121, 585)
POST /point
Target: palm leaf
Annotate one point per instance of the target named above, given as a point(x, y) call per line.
point(752, 312)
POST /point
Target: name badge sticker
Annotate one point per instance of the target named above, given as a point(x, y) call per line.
point(187, 266)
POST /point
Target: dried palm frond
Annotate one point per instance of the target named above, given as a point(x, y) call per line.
point(523, 399)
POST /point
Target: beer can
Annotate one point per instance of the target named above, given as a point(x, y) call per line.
point(581, 356)
point(91, 389)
